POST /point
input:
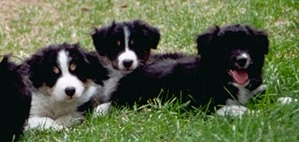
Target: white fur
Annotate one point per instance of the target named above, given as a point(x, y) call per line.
point(234, 107)
point(232, 110)
point(52, 108)
point(127, 55)
point(244, 94)
point(110, 85)
point(286, 100)
point(102, 109)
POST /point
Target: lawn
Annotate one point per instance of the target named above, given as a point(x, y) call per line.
point(27, 25)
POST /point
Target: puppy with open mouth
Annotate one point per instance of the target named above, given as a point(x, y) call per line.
point(238, 53)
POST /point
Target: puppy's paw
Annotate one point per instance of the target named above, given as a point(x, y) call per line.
point(102, 109)
point(232, 110)
point(43, 123)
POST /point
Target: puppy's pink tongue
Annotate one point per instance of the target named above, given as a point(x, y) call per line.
point(239, 76)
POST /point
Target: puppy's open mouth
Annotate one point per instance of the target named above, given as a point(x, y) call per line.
point(239, 76)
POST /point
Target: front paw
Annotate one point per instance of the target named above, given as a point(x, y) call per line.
point(232, 110)
point(43, 123)
point(102, 109)
point(70, 119)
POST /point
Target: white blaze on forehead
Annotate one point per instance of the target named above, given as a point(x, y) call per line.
point(127, 37)
point(66, 79)
point(63, 61)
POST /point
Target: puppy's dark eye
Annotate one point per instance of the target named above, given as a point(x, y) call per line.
point(56, 70)
point(118, 43)
point(132, 42)
point(73, 66)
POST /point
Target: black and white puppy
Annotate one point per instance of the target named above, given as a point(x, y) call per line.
point(228, 71)
point(16, 100)
point(233, 55)
point(123, 48)
point(63, 78)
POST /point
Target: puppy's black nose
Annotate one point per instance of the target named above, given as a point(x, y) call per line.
point(70, 91)
point(127, 63)
point(242, 62)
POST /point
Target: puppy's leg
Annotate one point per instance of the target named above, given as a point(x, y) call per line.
point(42, 123)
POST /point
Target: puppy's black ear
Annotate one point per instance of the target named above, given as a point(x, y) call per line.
point(205, 39)
point(97, 71)
point(4, 61)
point(262, 41)
point(151, 33)
point(35, 69)
point(10, 66)
point(6, 64)
point(99, 38)
point(76, 47)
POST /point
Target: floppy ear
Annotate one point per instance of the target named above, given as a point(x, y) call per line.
point(90, 65)
point(6, 65)
point(99, 37)
point(96, 70)
point(204, 40)
point(4, 61)
point(262, 41)
point(152, 34)
point(36, 69)
point(77, 49)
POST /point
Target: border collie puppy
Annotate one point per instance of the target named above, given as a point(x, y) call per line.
point(123, 48)
point(233, 56)
point(63, 78)
point(227, 72)
point(16, 100)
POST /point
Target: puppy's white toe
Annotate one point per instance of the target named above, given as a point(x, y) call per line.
point(102, 109)
point(232, 110)
point(286, 100)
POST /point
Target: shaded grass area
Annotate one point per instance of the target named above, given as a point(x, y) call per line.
point(26, 26)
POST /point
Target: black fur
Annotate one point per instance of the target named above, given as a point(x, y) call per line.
point(173, 73)
point(16, 100)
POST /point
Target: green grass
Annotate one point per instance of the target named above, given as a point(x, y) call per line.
point(29, 25)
